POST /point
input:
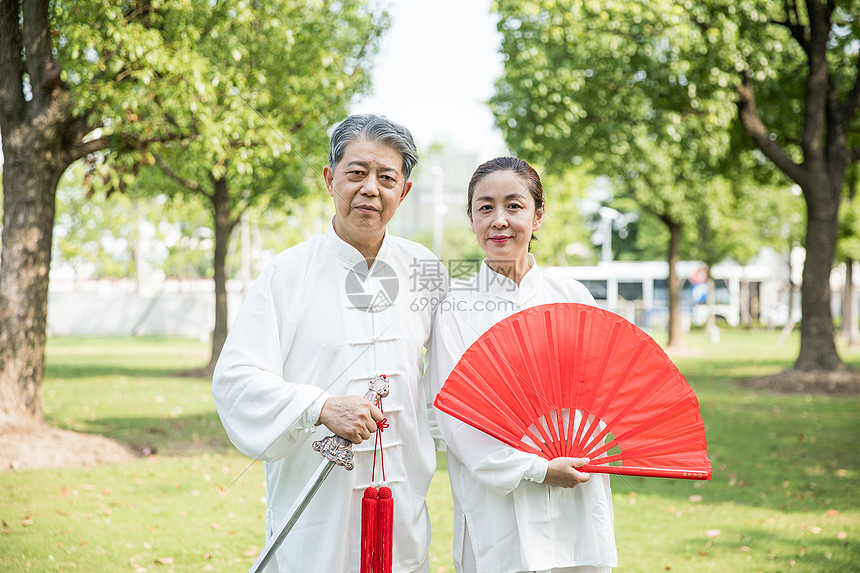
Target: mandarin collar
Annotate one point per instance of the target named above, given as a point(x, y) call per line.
point(501, 286)
point(346, 252)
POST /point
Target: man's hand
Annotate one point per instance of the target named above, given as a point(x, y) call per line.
point(562, 472)
point(350, 417)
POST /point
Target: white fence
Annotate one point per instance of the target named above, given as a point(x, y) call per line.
point(119, 308)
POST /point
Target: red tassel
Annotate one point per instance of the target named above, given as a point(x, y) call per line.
point(385, 525)
point(369, 530)
point(377, 518)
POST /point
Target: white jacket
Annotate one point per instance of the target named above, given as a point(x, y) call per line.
point(304, 333)
point(514, 522)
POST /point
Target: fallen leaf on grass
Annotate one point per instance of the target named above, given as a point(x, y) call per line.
point(832, 512)
point(744, 549)
point(27, 521)
point(712, 532)
point(165, 561)
point(207, 567)
point(694, 498)
point(250, 553)
point(841, 535)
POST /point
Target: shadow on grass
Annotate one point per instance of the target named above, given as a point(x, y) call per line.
point(173, 436)
point(784, 452)
point(823, 550)
point(72, 372)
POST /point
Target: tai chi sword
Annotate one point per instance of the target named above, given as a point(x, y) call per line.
point(335, 451)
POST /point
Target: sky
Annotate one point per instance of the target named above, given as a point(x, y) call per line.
point(436, 67)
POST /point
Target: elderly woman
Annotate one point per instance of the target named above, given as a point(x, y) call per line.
point(513, 511)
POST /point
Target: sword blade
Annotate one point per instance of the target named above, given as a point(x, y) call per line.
point(296, 510)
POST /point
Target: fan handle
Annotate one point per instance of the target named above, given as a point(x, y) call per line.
point(647, 472)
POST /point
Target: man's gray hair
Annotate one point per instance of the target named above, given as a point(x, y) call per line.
point(377, 129)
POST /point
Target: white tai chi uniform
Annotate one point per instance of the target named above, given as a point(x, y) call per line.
point(505, 519)
point(314, 324)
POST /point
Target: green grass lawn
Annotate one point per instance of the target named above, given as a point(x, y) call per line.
point(783, 497)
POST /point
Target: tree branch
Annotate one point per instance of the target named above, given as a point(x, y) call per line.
point(187, 183)
point(12, 102)
point(760, 135)
point(798, 32)
point(81, 150)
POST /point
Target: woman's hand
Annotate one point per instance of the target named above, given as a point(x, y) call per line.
point(562, 472)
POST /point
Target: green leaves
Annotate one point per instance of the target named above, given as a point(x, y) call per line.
point(645, 93)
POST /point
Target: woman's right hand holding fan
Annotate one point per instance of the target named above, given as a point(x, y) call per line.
point(562, 472)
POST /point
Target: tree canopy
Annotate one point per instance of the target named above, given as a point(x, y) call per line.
point(227, 96)
point(656, 94)
point(588, 81)
point(270, 80)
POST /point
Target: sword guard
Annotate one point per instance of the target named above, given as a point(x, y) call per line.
point(339, 450)
point(335, 449)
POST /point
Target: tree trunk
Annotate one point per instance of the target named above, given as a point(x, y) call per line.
point(817, 347)
point(850, 331)
point(223, 230)
point(38, 136)
point(30, 176)
point(676, 331)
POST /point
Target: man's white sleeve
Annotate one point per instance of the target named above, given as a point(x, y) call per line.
point(261, 412)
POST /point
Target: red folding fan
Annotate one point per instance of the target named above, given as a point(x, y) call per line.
point(571, 380)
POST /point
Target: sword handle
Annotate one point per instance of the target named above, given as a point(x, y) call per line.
point(339, 450)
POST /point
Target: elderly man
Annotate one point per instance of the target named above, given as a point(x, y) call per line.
point(322, 320)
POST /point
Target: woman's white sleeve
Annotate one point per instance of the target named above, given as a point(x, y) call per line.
point(494, 464)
